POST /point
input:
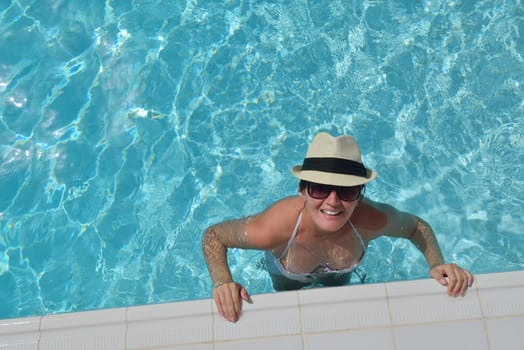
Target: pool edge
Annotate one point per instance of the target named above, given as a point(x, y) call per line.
point(398, 315)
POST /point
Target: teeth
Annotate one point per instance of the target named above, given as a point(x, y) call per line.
point(329, 212)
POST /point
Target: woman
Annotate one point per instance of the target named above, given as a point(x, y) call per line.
point(321, 235)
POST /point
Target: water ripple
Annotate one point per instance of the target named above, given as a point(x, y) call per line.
point(126, 128)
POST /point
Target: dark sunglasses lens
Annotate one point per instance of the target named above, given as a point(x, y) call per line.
point(349, 193)
point(319, 191)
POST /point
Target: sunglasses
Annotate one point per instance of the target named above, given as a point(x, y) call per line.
point(348, 194)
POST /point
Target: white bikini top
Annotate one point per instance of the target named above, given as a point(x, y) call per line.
point(321, 269)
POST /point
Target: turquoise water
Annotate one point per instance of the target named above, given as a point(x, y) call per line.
point(127, 127)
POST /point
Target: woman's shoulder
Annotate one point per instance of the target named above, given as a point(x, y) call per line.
point(284, 212)
point(369, 218)
point(273, 227)
point(292, 204)
point(379, 219)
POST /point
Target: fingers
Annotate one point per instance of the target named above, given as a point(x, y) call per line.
point(470, 279)
point(228, 299)
point(245, 296)
point(458, 280)
point(439, 275)
point(443, 281)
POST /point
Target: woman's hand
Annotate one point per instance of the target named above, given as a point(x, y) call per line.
point(228, 299)
point(457, 279)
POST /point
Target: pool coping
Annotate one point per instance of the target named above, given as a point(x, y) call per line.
point(398, 314)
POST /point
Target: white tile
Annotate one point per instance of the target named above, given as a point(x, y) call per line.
point(103, 329)
point(438, 336)
point(422, 316)
point(506, 333)
point(270, 315)
point(169, 324)
point(203, 346)
point(343, 308)
point(19, 333)
point(501, 293)
point(362, 339)
point(276, 343)
point(495, 280)
point(191, 347)
point(421, 301)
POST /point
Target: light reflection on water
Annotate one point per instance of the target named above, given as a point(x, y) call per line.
point(127, 128)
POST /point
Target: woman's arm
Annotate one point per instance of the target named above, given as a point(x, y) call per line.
point(401, 224)
point(424, 239)
point(215, 242)
point(392, 222)
point(264, 231)
point(457, 279)
point(217, 239)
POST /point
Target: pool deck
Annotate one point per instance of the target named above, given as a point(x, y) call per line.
point(398, 315)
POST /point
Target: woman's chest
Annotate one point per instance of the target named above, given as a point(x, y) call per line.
point(334, 253)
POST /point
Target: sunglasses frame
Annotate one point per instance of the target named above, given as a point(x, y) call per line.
point(337, 190)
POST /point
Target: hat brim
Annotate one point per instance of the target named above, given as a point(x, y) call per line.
point(335, 179)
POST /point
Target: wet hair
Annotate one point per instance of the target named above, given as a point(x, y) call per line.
point(302, 185)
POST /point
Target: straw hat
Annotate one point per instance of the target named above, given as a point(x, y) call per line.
point(334, 161)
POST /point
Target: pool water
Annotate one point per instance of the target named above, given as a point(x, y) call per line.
point(128, 127)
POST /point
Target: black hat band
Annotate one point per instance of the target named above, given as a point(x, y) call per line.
point(335, 165)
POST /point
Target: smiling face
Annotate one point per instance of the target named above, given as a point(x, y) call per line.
point(329, 214)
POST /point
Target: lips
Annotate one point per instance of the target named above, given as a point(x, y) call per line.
point(330, 212)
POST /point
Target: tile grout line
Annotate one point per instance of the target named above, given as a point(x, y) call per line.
point(213, 324)
point(483, 316)
point(430, 323)
point(126, 328)
point(390, 316)
point(300, 321)
point(39, 332)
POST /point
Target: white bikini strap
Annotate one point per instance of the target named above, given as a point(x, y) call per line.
point(358, 235)
point(292, 238)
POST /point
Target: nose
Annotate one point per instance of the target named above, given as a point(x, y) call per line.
point(332, 197)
